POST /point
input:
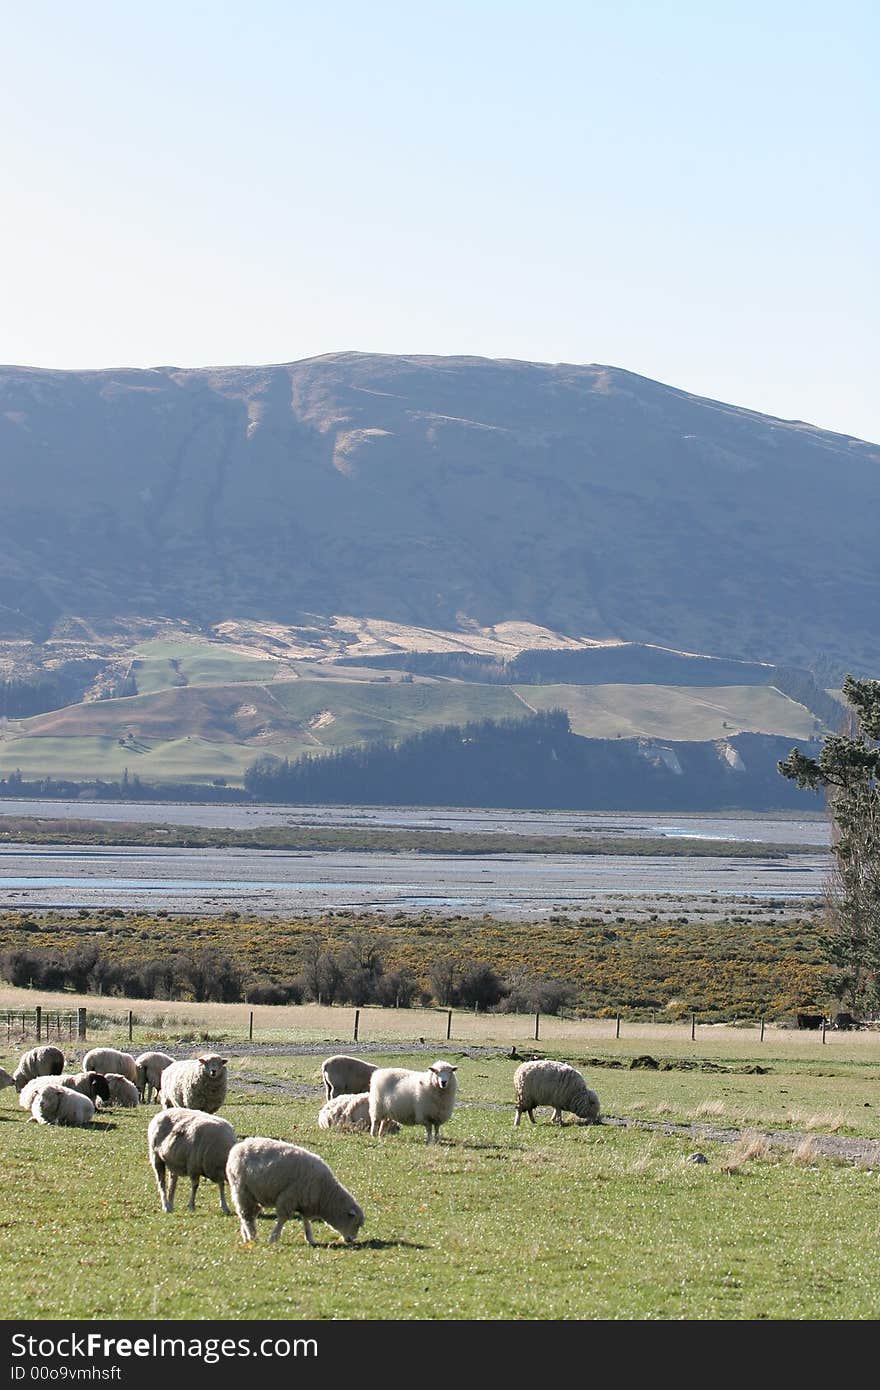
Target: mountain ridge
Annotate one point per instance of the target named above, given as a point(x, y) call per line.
point(441, 492)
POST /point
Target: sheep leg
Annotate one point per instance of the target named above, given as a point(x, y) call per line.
point(172, 1188)
point(246, 1209)
point(195, 1187)
point(531, 1114)
point(517, 1116)
point(223, 1207)
point(307, 1231)
point(557, 1117)
point(160, 1170)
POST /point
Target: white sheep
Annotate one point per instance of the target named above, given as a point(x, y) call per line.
point(350, 1113)
point(553, 1083)
point(346, 1076)
point(32, 1088)
point(150, 1066)
point(40, 1061)
point(59, 1105)
point(199, 1084)
point(189, 1144)
point(412, 1098)
point(107, 1059)
point(122, 1091)
point(295, 1181)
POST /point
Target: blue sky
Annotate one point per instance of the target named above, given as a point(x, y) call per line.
point(686, 190)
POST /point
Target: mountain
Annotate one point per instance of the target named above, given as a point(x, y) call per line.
point(447, 493)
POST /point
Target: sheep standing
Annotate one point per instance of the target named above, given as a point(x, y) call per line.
point(89, 1083)
point(122, 1091)
point(107, 1059)
point(59, 1105)
point(150, 1066)
point(189, 1144)
point(346, 1076)
point(412, 1098)
point(556, 1084)
point(40, 1061)
point(199, 1084)
point(350, 1113)
point(295, 1181)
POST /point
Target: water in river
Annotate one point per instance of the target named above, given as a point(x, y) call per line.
point(510, 885)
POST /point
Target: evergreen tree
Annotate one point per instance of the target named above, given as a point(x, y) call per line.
point(848, 768)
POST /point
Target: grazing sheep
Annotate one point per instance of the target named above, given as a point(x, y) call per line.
point(350, 1113)
point(269, 1173)
point(6, 1079)
point(556, 1084)
point(189, 1144)
point(40, 1061)
point(107, 1059)
point(59, 1105)
point(150, 1066)
point(412, 1098)
point(199, 1084)
point(346, 1076)
point(122, 1091)
point(88, 1083)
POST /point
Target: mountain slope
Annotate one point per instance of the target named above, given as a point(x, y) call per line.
point(439, 492)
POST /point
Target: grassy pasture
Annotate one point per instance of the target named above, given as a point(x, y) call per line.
point(494, 1223)
point(674, 712)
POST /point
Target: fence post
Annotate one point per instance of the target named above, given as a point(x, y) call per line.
point(81, 1024)
point(251, 1026)
point(617, 1030)
point(130, 1023)
point(693, 1026)
point(762, 1030)
point(537, 1025)
point(357, 1019)
point(824, 1026)
point(448, 1024)
point(38, 1020)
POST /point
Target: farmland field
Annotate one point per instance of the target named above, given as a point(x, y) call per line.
point(494, 1223)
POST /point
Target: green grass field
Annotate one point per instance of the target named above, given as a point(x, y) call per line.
point(673, 712)
point(494, 1223)
point(161, 664)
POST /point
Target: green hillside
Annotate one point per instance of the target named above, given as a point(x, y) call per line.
point(672, 711)
point(219, 721)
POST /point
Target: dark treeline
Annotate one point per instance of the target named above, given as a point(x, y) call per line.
point(536, 763)
point(127, 788)
point(628, 664)
point(352, 974)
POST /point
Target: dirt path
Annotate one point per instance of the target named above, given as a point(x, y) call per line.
point(844, 1148)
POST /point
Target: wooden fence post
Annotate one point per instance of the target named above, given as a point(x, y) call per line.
point(693, 1026)
point(251, 1026)
point(617, 1031)
point(357, 1019)
point(81, 1024)
point(448, 1024)
point(824, 1026)
point(38, 1020)
point(130, 1024)
point(537, 1025)
point(762, 1030)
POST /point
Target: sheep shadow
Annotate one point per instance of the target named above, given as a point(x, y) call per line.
point(392, 1245)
